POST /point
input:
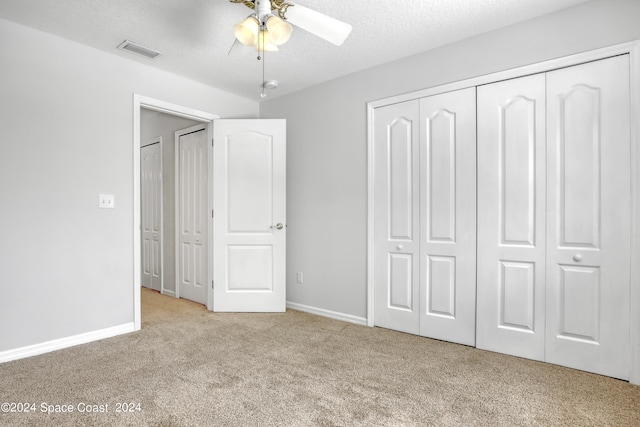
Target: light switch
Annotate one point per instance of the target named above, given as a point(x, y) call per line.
point(106, 201)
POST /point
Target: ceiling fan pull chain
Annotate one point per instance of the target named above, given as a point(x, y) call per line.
point(263, 94)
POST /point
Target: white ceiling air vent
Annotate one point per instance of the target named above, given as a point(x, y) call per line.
point(132, 47)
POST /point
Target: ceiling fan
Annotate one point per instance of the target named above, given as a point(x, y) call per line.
point(266, 30)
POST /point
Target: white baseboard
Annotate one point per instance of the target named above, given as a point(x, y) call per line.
point(169, 293)
point(46, 347)
point(328, 313)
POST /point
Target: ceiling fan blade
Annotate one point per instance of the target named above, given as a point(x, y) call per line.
point(239, 50)
point(319, 24)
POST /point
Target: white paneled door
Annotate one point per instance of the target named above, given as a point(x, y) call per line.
point(249, 215)
point(502, 215)
point(448, 216)
point(424, 216)
point(554, 217)
point(396, 213)
point(192, 213)
point(588, 228)
point(511, 217)
point(151, 215)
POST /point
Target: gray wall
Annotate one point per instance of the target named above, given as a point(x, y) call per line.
point(327, 138)
point(66, 114)
point(154, 124)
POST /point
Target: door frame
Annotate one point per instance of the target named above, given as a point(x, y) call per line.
point(151, 141)
point(630, 48)
point(177, 135)
point(140, 101)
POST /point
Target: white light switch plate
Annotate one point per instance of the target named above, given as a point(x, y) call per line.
point(106, 201)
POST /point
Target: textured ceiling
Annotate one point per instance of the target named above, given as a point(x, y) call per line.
point(195, 36)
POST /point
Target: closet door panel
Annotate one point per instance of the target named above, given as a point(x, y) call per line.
point(511, 223)
point(447, 216)
point(588, 242)
point(396, 220)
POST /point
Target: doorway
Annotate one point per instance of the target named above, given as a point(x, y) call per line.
point(140, 103)
point(159, 126)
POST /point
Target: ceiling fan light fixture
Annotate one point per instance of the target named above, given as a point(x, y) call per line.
point(247, 31)
point(264, 42)
point(279, 30)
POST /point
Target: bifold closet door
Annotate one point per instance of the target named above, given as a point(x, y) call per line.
point(553, 281)
point(396, 217)
point(511, 217)
point(448, 216)
point(424, 216)
point(589, 198)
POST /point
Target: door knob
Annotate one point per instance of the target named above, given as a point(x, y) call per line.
point(577, 257)
point(400, 247)
point(279, 226)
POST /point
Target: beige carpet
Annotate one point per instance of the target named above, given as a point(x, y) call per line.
point(190, 367)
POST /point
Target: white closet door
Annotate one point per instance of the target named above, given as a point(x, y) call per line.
point(588, 243)
point(192, 218)
point(151, 215)
point(396, 222)
point(511, 211)
point(448, 216)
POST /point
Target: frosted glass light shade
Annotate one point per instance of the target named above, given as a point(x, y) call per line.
point(264, 42)
point(279, 30)
point(247, 31)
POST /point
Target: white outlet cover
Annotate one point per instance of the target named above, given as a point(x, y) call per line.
point(106, 201)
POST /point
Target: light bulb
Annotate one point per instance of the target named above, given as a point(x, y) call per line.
point(264, 42)
point(279, 30)
point(247, 31)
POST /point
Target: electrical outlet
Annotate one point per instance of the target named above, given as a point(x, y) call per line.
point(300, 277)
point(106, 201)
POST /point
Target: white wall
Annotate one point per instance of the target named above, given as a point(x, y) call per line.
point(66, 115)
point(327, 138)
point(156, 124)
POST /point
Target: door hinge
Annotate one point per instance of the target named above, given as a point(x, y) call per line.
point(211, 213)
point(212, 287)
point(212, 142)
